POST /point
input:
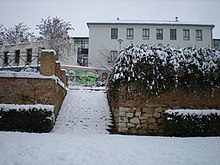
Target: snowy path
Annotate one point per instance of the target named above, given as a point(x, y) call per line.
point(83, 112)
point(80, 138)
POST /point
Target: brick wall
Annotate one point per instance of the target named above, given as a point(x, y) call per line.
point(135, 112)
point(40, 89)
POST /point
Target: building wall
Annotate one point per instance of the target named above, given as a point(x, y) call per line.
point(100, 41)
point(68, 56)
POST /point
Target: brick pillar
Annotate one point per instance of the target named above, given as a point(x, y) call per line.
point(58, 70)
point(48, 66)
point(64, 77)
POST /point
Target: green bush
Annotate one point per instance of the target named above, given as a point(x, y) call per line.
point(162, 69)
point(191, 124)
point(26, 118)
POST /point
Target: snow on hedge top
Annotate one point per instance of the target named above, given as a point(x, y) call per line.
point(199, 112)
point(204, 59)
point(19, 107)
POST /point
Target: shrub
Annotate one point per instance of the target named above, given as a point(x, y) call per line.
point(27, 118)
point(190, 122)
point(163, 69)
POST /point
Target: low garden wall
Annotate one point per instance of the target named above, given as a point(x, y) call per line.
point(49, 87)
point(146, 81)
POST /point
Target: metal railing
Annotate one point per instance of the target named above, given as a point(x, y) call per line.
point(9, 62)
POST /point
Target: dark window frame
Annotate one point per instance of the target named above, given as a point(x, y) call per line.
point(198, 35)
point(6, 58)
point(159, 34)
point(29, 56)
point(146, 33)
point(17, 56)
point(173, 34)
point(113, 56)
point(130, 33)
point(186, 34)
point(114, 33)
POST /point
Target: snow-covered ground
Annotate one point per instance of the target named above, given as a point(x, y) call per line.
point(80, 138)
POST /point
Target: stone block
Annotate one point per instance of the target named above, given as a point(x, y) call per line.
point(159, 109)
point(138, 126)
point(156, 115)
point(143, 121)
point(122, 109)
point(123, 120)
point(137, 114)
point(130, 125)
point(152, 120)
point(122, 129)
point(153, 126)
point(148, 110)
point(135, 120)
point(141, 132)
point(133, 130)
point(145, 126)
point(130, 114)
point(121, 113)
point(122, 124)
point(143, 117)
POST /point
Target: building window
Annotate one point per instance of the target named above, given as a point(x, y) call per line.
point(113, 56)
point(17, 56)
point(114, 33)
point(146, 34)
point(198, 35)
point(130, 33)
point(186, 34)
point(172, 34)
point(6, 58)
point(29, 56)
point(159, 34)
point(82, 50)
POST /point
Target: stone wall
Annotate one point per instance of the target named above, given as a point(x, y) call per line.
point(146, 120)
point(136, 112)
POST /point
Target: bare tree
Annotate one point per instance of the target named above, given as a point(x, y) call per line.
point(12, 34)
point(55, 31)
point(1, 34)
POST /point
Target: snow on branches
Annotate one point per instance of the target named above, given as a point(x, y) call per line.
point(164, 68)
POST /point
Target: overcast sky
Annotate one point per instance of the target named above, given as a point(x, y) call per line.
point(79, 12)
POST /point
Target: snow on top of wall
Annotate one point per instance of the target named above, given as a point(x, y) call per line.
point(48, 51)
point(186, 112)
point(11, 74)
point(21, 107)
point(22, 74)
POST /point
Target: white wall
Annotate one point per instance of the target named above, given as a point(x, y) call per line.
point(100, 38)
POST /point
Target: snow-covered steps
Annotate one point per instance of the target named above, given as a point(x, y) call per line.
point(84, 112)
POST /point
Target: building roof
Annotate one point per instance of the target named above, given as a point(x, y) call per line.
point(149, 22)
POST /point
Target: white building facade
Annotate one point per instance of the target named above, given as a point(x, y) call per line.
point(108, 38)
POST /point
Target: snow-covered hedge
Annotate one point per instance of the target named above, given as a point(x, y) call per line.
point(189, 122)
point(164, 68)
point(28, 118)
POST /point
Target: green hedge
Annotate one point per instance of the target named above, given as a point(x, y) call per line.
point(26, 118)
point(192, 124)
